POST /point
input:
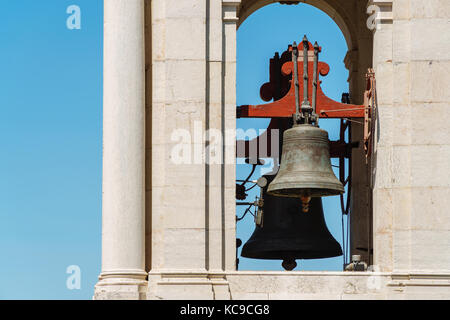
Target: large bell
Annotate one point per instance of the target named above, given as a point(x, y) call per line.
point(305, 169)
point(287, 233)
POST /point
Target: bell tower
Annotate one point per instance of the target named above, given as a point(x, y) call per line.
point(168, 228)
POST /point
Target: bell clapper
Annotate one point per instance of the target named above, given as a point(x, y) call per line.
point(289, 264)
point(305, 202)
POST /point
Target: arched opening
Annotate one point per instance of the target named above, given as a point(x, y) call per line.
point(330, 7)
point(323, 22)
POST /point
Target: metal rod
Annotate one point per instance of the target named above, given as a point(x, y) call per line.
point(246, 181)
point(337, 110)
point(305, 70)
point(351, 120)
point(296, 84)
point(251, 173)
point(314, 93)
point(245, 203)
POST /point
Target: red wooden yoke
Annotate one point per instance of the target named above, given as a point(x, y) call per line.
point(285, 106)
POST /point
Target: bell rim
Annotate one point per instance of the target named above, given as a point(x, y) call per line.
point(318, 194)
point(334, 249)
point(295, 191)
point(295, 258)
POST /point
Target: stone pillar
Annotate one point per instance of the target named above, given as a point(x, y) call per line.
point(412, 63)
point(229, 20)
point(421, 149)
point(381, 161)
point(123, 226)
point(192, 185)
point(361, 212)
point(178, 171)
point(360, 193)
point(357, 60)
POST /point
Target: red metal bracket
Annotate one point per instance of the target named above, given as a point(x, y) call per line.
point(369, 112)
point(285, 106)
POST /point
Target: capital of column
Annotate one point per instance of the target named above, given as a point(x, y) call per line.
point(351, 63)
point(230, 10)
point(351, 60)
point(383, 10)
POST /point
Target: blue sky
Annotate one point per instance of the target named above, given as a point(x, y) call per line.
point(51, 133)
point(50, 138)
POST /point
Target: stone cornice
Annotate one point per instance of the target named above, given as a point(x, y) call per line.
point(297, 284)
point(385, 6)
point(229, 9)
point(351, 60)
point(420, 278)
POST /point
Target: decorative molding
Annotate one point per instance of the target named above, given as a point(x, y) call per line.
point(351, 62)
point(189, 284)
point(408, 279)
point(235, 3)
point(125, 274)
point(175, 284)
point(120, 289)
point(386, 16)
point(230, 9)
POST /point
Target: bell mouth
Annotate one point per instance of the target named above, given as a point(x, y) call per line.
point(326, 250)
point(299, 192)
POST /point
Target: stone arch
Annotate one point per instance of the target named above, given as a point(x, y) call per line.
point(334, 9)
point(350, 16)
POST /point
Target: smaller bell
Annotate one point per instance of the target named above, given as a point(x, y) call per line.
point(305, 169)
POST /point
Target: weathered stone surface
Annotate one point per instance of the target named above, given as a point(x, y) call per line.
point(430, 9)
point(429, 81)
point(185, 38)
point(401, 9)
point(434, 39)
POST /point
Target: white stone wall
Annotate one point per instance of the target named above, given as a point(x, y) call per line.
point(193, 64)
point(412, 178)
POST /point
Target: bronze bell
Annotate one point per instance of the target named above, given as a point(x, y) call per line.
point(305, 169)
point(287, 233)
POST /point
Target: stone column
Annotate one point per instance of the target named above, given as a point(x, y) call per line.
point(421, 148)
point(381, 161)
point(123, 275)
point(192, 190)
point(230, 20)
point(178, 172)
point(412, 189)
